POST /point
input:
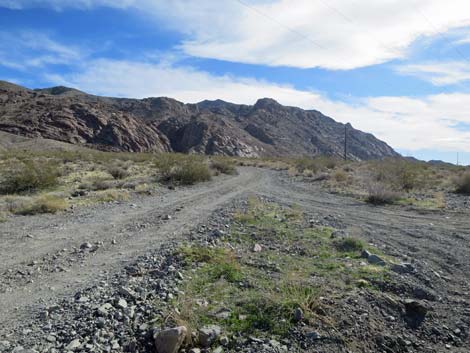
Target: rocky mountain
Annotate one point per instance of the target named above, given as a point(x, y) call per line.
point(163, 124)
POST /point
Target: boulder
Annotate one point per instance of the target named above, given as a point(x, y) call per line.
point(171, 340)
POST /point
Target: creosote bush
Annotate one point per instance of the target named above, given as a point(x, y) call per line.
point(28, 176)
point(400, 174)
point(118, 172)
point(224, 166)
point(380, 194)
point(182, 169)
point(463, 184)
point(316, 164)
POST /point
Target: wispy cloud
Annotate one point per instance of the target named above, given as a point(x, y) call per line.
point(339, 34)
point(29, 49)
point(438, 73)
point(408, 123)
point(62, 4)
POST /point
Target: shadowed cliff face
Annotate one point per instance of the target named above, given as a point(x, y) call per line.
point(164, 124)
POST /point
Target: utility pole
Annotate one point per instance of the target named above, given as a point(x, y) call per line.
point(458, 158)
point(346, 142)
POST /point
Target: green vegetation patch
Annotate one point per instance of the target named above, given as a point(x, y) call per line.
point(258, 292)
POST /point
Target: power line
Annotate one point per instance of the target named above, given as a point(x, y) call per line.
point(437, 32)
point(288, 28)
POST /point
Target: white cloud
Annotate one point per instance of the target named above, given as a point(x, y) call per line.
point(28, 49)
point(438, 73)
point(406, 123)
point(349, 34)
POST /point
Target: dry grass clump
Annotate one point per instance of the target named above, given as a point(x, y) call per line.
point(112, 195)
point(118, 172)
point(26, 206)
point(462, 184)
point(380, 194)
point(28, 176)
point(340, 176)
point(224, 166)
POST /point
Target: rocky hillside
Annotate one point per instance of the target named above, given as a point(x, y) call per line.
point(164, 124)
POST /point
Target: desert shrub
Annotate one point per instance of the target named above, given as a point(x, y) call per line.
point(350, 244)
point(340, 176)
point(190, 173)
point(462, 184)
point(118, 172)
point(380, 194)
point(27, 176)
point(315, 164)
point(39, 205)
point(144, 189)
point(224, 166)
point(97, 184)
point(182, 169)
point(401, 174)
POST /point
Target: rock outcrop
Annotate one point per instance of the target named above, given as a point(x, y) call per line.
point(164, 124)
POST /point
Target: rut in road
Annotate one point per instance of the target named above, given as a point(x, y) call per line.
point(134, 228)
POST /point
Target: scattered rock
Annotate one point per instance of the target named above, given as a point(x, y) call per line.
point(208, 335)
point(171, 340)
point(224, 341)
point(74, 345)
point(403, 268)
point(86, 246)
point(415, 312)
point(298, 314)
point(376, 260)
point(257, 248)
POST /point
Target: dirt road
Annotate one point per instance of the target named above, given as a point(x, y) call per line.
point(439, 241)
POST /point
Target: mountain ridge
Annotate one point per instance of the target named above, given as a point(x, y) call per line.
point(164, 124)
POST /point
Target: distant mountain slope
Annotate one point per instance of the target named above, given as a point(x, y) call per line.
point(164, 124)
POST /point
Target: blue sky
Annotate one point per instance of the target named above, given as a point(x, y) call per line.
point(398, 69)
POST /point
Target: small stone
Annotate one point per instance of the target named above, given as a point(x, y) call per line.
point(403, 268)
point(101, 322)
point(298, 314)
point(4, 345)
point(223, 314)
point(104, 309)
point(376, 260)
point(194, 350)
point(208, 335)
point(224, 341)
point(170, 341)
point(257, 248)
point(74, 345)
point(122, 304)
point(86, 245)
